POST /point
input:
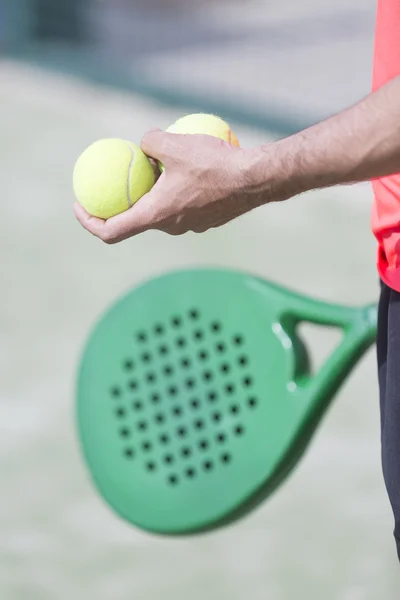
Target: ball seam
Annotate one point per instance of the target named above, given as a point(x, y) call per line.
point(130, 203)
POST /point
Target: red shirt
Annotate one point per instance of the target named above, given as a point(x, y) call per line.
point(386, 208)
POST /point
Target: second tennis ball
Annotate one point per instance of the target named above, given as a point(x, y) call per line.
point(110, 176)
point(206, 124)
point(201, 123)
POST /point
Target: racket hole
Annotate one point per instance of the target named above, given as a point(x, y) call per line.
point(146, 357)
point(181, 431)
point(181, 342)
point(194, 403)
point(216, 327)
point(247, 382)
point(220, 348)
point(225, 368)
point(234, 409)
point(185, 362)
point(155, 398)
point(239, 430)
point(142, 425)
point(243, 361)
point(141, 336)
point(151, 377)
point(146, 446)
point(120, 413)
point(186, 452)
point(177, 411)
point(203, 444)
point(208, 465)
point(229, 388)
point(172, 390)
point(173, 480)
point(203, 355)
point(125, 433)
point(151, 466)
point(176, 322)
point(129, 365)
point(194, 314)
point(198, 335)
point(221, 438)
point(168, 459)
point(163, 349)
point(252, 402)
point(238, 340)
point(160, 418)
point(216, 417)
point(133, 385)
point(129, 453)
point(207, 376)
point(226, 458)
point(212, 396)
point(311, 336)
point(190, 473)
point(159, 329)
point(137, 405)
point(115, 392)
point(164, 439)
point(199, 424)
point(190, 383)
point(168, 370)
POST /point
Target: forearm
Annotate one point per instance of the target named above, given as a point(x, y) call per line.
point(359, 144)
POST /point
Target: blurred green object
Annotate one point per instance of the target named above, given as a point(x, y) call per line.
point(196, 398)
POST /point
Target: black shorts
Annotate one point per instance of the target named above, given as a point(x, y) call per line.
point(388, 350)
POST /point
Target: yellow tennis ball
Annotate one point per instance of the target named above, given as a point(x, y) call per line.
point(202, 123)
point(110, 176)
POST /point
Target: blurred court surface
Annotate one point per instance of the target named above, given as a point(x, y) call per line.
point(327, 532)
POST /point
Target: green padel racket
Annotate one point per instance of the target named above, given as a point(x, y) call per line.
point(196, 399)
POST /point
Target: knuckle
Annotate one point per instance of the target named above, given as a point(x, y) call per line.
point(108, 237)
point(198, 229)
point(175, 229)
point(164, 143)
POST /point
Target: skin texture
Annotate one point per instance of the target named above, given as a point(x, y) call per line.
point(207, 182)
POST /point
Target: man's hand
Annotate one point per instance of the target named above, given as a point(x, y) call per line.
point(205, 184)
point(208, 182)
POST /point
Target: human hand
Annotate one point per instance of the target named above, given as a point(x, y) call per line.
point(205, 184)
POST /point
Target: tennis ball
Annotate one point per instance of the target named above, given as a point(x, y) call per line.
point(110, 176)
point(202, 123)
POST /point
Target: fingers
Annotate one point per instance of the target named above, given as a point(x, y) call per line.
point(183, 201)
point(88, 222)
point(153, 143)
point(138, 219)
point(159, 144)
point(156, 169)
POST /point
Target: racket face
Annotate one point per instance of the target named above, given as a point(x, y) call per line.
point(185, 405)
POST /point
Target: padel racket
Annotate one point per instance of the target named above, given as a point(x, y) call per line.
point(196, 398)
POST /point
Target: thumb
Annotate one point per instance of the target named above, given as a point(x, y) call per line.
point(158, 144)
